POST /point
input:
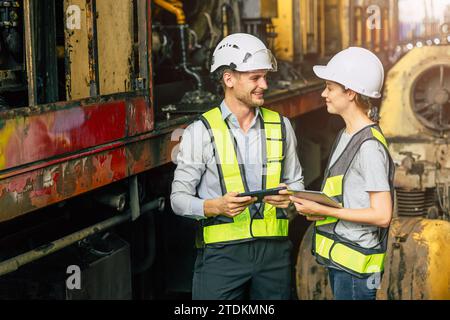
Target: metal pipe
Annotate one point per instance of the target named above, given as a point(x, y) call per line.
point(298, 30)
point(184, 57)
point(158, 204)
point(176, 9)
point(15, 263)
point(29, 52)
point(113, 200)
point(236, 17)
point(224, 10)
point(134, 199)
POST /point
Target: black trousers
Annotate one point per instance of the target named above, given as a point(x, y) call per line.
point(255, 270)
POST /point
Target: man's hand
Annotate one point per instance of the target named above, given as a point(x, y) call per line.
point(281, 200)
point(230, 205)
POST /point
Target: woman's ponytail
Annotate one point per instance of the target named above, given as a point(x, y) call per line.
point(372, 111)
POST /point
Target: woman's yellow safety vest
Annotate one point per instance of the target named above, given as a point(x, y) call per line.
point(329, 248)
point(273, 223)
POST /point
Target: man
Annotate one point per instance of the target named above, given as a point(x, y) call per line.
point(235, 148)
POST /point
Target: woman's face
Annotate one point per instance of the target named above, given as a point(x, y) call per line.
point(336, 97)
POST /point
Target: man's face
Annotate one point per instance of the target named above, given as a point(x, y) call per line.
point(336, 97)
point(249, 87)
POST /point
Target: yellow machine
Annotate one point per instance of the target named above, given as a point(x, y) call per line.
point(310, 27)
point(416, 121)
point(415, 118)
point(416, 267)
point(114, 69)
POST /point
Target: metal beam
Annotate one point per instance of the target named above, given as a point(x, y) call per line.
point(91, 16)
point(30, 51)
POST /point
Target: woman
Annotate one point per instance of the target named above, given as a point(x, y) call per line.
point(351, 242)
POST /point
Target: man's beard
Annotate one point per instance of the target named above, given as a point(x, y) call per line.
point(247, 100)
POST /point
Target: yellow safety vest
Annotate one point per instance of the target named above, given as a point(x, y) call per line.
point(273, 223)
point(331, 249)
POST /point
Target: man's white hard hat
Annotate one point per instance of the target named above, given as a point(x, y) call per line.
point(357, 69)
point(243, 52)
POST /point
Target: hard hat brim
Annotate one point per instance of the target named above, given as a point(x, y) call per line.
point(322, 73)
point(267, 68)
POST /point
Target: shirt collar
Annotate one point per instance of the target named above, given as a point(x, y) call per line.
point(226, 111)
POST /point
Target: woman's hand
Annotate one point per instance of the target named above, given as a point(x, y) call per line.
point(379, 214)
point(310, 209)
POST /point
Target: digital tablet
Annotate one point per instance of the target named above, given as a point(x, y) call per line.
point(260, 194)
point(316, 196)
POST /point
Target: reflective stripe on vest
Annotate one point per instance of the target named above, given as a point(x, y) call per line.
point(242, 227)
point(331, 249)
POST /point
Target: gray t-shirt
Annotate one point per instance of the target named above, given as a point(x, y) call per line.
point(369, 172)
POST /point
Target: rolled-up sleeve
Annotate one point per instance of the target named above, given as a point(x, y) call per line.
point(189, 171)
point(293, 173)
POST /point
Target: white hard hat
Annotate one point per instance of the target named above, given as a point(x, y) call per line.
point(243, 52)
point(357, 69)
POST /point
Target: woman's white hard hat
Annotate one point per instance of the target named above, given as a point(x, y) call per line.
point(357, 69)
point(243, 52)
